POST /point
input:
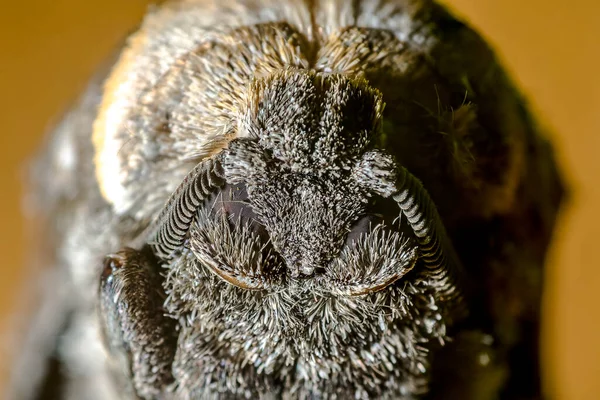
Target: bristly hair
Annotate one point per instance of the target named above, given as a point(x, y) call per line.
point(305, 242)
point(326, 314)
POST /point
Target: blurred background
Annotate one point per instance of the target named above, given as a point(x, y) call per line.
point(50, 48)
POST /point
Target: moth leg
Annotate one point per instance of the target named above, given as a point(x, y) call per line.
point(140, 338)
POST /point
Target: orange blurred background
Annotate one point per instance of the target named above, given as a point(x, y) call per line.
point(49, 48)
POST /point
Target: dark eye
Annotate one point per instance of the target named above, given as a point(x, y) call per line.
point(380, 211)
point(232, 201)
point(231, 242)
point(378, 251)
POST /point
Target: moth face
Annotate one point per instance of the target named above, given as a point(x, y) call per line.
point(285, 253)
point(301, 198)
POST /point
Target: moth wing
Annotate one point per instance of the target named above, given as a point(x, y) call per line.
point(59, 181)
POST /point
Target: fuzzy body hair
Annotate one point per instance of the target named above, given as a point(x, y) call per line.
point(304, 273)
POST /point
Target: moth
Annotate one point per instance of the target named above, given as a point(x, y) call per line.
point(294, 200)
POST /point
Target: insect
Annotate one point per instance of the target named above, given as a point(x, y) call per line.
point(297, 200)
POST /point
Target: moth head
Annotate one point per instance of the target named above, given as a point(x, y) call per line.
point(305, 192)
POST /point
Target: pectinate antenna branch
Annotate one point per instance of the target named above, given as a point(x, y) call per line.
point(171, 228)
point(436, 250)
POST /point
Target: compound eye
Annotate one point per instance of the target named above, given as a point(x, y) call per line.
point(379, 251)
point(381, 212)
point(232, 202)
point(231, 242)
point(371, 263)
point(362, 227)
